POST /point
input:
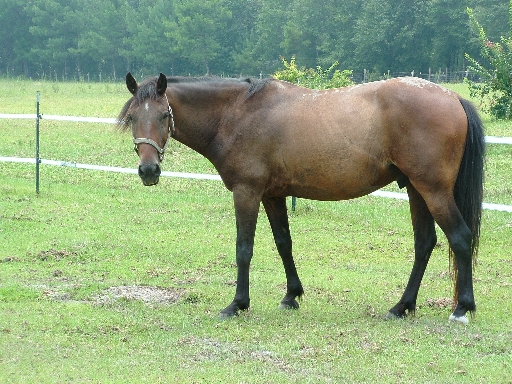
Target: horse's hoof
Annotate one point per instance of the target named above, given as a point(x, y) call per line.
point(226, 315)
point(393, 316)
point(458, 319)
point(288, 305)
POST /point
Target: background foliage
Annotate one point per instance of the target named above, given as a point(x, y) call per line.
point(494, 88)
point(314, 78)
point(94, 39)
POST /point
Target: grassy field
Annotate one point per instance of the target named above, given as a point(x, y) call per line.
point(105, 280)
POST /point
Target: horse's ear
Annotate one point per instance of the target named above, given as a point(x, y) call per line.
point(131, 83)
point(161, 84)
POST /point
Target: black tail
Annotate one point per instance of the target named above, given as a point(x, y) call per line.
point(468, 190)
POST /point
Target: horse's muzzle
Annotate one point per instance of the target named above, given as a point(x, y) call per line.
point(149, 174)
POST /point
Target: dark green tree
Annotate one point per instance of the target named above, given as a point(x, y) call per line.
point(263, 51)
point(389, 36)
point(236, 36)
point(15, 39)
point(103, 35)
point(335, 38)
point(57, 27)
point(71, 38)
point(311, 26)
point(197, 31)
point(448, 33)
point(150, 46)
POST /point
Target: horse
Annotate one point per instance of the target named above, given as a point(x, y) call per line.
point(270, 139)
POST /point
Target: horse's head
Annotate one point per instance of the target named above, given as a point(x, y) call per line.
point(150, 117)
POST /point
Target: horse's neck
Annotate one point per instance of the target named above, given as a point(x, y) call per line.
point(198, 116)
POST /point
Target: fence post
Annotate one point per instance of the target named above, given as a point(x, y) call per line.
point(38, 116)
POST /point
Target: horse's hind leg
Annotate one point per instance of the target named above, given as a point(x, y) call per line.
point(447, 215)
point(424, 241)
point(278, 218)
point(459, 237)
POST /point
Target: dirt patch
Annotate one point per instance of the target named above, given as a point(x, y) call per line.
point(443, 302)
point(143, 293)
point(54, 254)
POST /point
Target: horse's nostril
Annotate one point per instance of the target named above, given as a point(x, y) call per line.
point(149, 171)
point(142, 171)
point(157, 170)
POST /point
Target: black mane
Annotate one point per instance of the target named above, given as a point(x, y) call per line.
point(255, 85)
point(147, 90)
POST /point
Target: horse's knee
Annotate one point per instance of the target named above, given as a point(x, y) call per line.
point(424, 247)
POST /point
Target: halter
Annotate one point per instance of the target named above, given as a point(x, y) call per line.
point(171, 130)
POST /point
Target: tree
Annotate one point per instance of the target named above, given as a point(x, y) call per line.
point(335, 39)
point(198, 23)
point(448, 33)
point(149, 43)
point(311, 26)
point(391, 35)
point(57, 26)
point(236, 36)
point(70, 38)
point(373, 35)
point(104, 36)
point(15, 41)
point(262, 52)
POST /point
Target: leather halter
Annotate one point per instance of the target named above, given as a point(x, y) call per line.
point(171, 130)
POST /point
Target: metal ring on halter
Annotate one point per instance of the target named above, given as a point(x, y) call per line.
point(171, 129)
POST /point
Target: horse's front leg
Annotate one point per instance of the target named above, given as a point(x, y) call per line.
point(278, 219)
point(247, 203)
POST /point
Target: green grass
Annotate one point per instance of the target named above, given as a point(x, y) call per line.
point(89, 231)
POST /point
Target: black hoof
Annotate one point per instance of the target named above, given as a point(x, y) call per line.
point(232, 310)
point(227, 315)
point(289, 304)
point(394, 316)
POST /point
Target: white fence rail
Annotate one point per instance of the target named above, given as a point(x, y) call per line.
point(77, 119)
point(386, 194)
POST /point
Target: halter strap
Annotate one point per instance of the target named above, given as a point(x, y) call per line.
point(171, 129)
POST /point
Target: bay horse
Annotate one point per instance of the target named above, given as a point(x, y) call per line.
point(270, 139)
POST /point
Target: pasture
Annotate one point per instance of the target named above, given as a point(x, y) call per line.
point(105, 280)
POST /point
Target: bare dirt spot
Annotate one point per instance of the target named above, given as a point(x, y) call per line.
point(146, 294)
point(443, 302)
point(54, 254)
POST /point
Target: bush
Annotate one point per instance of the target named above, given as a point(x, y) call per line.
point(494, 88)
point(314, 78)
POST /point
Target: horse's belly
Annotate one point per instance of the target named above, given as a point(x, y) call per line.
point(321, 191)
point(338, 185)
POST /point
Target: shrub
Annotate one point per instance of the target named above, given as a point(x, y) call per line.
point(494, 87)
point(314, 78)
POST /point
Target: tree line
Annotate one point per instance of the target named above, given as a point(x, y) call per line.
point(99, 39)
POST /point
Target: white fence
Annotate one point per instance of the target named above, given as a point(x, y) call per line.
point(386, 194)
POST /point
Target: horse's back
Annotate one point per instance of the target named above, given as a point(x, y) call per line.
point(348, 142)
